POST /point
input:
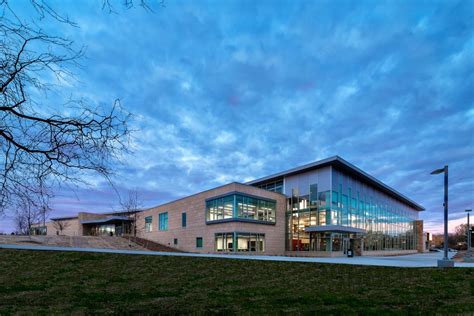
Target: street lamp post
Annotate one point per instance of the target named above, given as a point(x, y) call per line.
point(445, 262)
point(469, 234)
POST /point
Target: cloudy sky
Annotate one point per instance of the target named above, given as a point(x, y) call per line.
point(234, 90)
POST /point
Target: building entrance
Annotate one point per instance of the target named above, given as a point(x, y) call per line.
point(346, 245)
point(354, 244)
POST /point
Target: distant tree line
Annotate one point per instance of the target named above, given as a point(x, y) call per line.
point(456, 240)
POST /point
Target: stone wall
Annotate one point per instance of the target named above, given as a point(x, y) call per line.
point(420, 236)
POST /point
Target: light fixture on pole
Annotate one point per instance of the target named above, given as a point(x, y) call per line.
point(445, 262)
point(469, 233)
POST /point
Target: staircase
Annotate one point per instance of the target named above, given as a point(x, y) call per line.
point(151, 245)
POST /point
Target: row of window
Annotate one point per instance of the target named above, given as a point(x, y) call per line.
point(40, 230)
point(276, 186)
point(240, 207)
point(240, 242)
point(333, 208)
point(227, 207)
point(162, 222)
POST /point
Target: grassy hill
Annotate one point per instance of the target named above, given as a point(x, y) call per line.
point(68, 282)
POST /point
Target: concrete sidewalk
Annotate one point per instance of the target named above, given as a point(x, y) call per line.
point(408, 261)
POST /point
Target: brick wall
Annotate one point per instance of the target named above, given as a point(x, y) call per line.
point(195, 208)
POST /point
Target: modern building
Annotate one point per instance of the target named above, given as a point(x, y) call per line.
point(326, 208)
point(333, 206)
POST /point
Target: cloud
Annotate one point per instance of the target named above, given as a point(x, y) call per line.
point(222, 96)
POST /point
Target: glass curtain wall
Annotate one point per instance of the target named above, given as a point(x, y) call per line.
point(388, 226)
point(307, 210)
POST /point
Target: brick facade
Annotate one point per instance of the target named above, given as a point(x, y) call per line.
point(195, 208)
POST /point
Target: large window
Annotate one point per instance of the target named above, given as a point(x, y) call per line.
point(241, 242)
point(107, 229)
point(225, 242)
point(257, 209)
point(163, 221)
point(148, 222)
point(250, 242)
point(220, 208)
point(238, 206)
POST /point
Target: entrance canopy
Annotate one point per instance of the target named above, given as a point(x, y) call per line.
point(334, 229)
point(109, 219)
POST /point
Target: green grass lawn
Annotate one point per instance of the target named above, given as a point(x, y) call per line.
point(68, 282)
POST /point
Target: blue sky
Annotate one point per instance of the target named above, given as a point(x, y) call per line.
point(227, 91)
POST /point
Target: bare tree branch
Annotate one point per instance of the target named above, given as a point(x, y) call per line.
point(61, 225)
point(44, 143)
point(131, 206)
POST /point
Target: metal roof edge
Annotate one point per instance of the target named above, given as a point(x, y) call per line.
point(333, 161)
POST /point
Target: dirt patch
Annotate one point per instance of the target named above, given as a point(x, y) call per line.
point(30, 242)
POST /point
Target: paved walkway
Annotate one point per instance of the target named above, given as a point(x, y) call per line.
point(409, 261)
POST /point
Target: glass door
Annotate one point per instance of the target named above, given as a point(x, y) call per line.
point(346, 244)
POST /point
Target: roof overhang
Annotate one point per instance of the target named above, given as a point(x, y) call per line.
point(341, 164)
point(117, 213)
point(64, 218)
point(107, 220)
point(334, 229)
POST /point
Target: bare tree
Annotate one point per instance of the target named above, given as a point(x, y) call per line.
point(61, 225)
point(131, 206)
point(128, 4)
point(21, 225)
point(460, 233)
point(28, 213)
point(45, 143)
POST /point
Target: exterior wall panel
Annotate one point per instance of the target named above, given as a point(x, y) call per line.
point(73, 228)
point(302, 181)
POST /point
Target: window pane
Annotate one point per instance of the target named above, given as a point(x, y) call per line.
point(250, 242)
point(183, 219)
point(148, 223)
point(199, 242)
point(163, 221)
point(228, 206)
